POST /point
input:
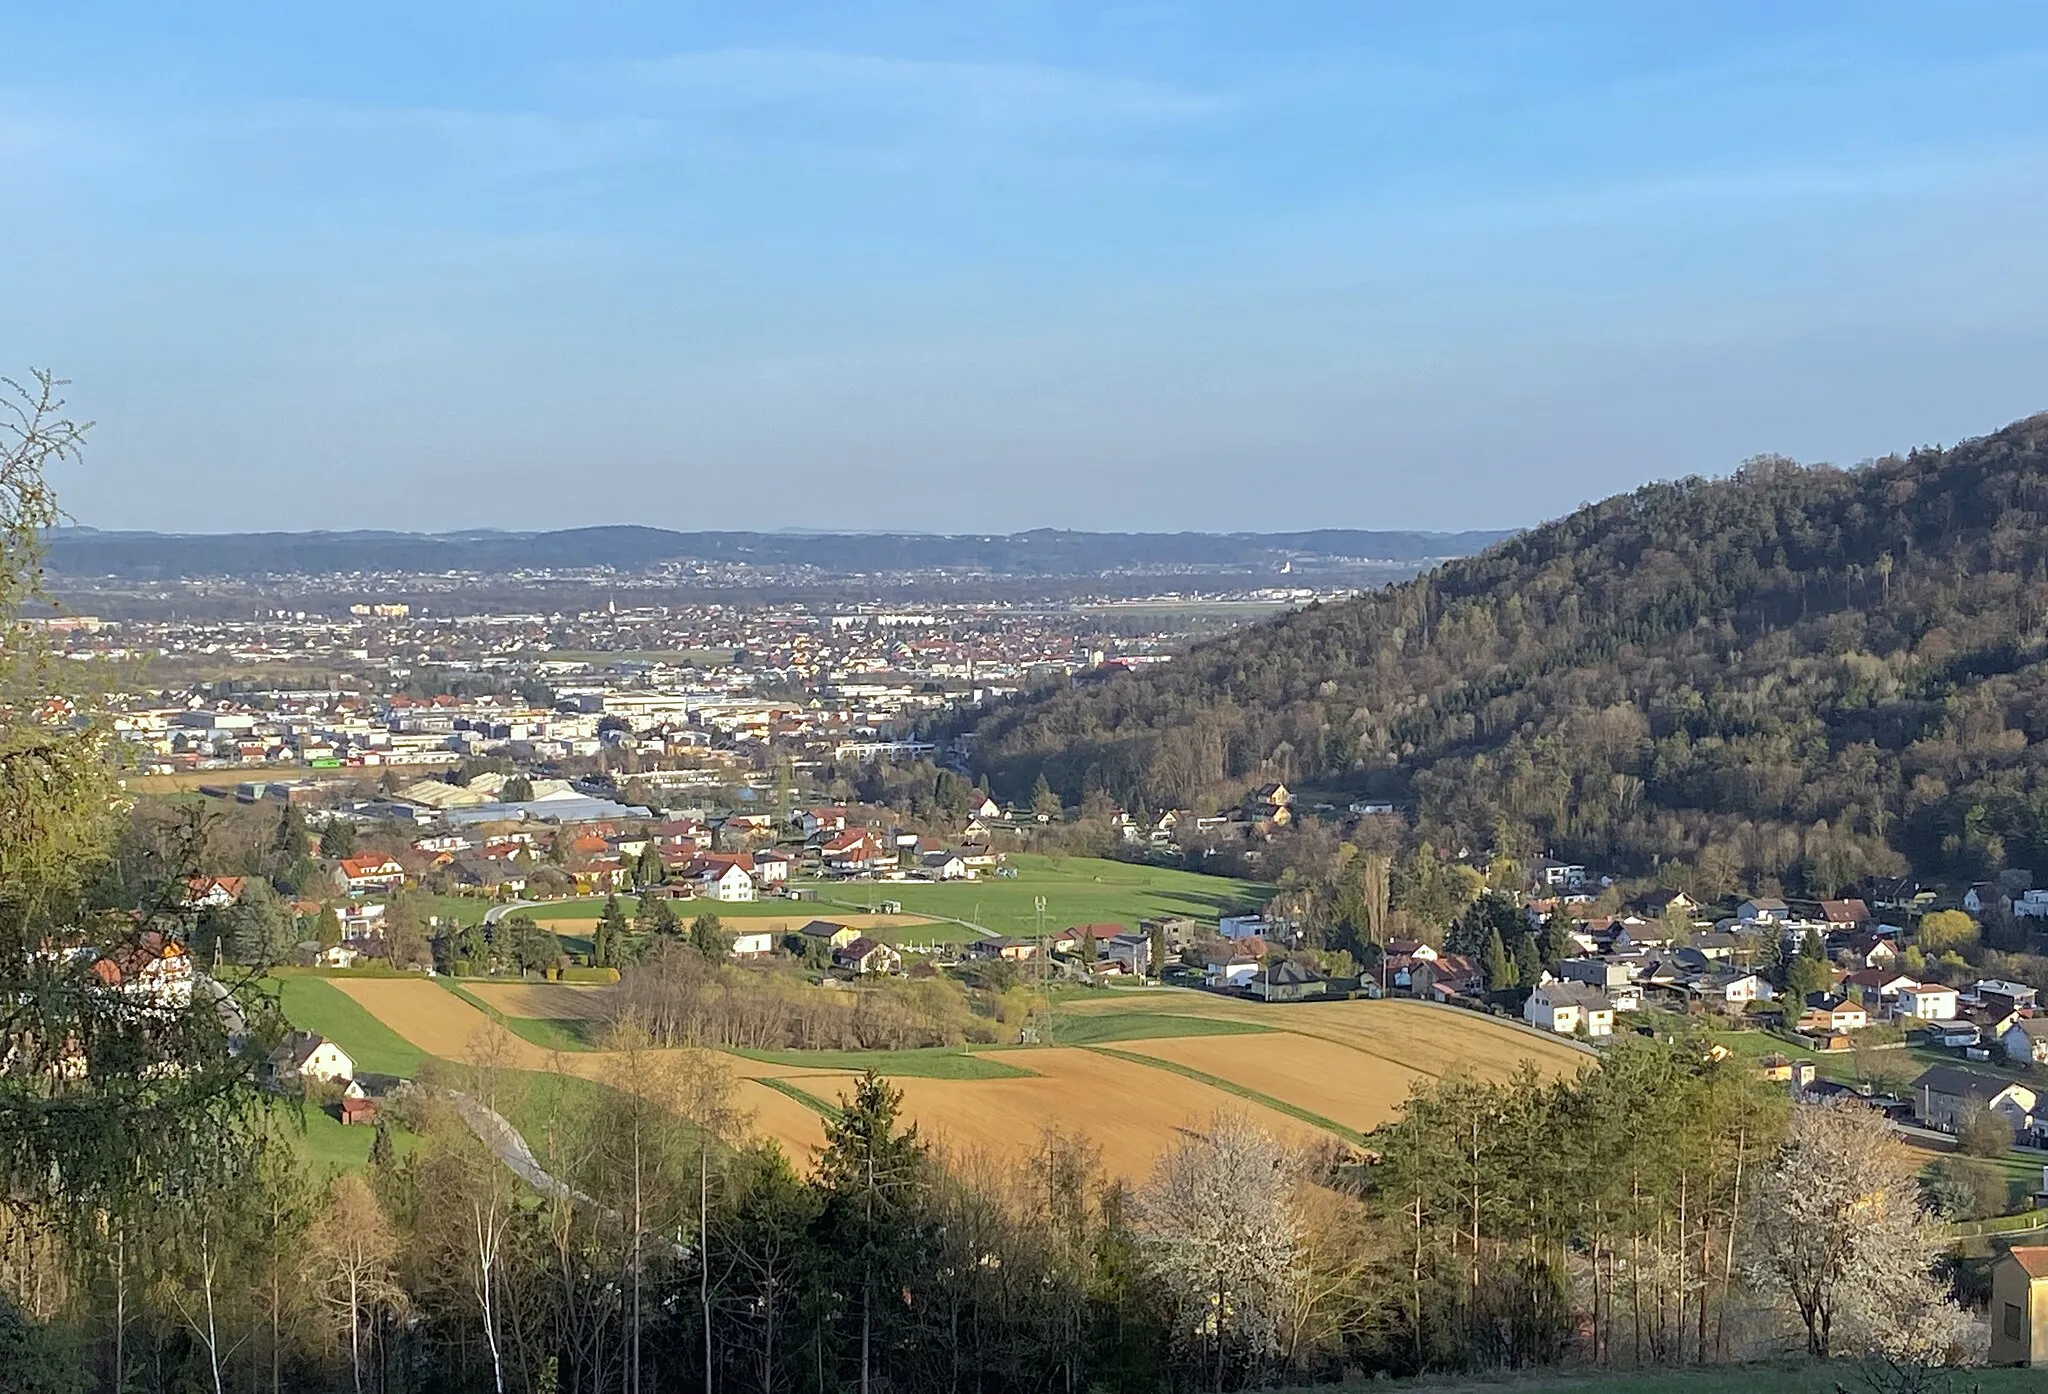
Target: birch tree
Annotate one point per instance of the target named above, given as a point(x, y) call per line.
point(351, 1251)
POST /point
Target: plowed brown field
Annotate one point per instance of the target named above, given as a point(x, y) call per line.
point(1132, 1112)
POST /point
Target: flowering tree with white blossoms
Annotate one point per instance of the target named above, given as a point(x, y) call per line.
point(1844, 1240)
point(1220, 1236)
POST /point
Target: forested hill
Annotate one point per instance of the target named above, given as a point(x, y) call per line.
point(1802, 673)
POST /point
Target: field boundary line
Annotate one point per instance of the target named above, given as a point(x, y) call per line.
point(829, 1112)
point(1250, 1095)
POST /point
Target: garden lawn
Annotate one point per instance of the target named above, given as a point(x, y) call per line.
point(313, 1005)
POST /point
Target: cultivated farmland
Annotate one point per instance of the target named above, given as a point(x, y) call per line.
point(1134, 1068)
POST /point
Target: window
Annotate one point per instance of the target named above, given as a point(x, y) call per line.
point(2012, 1322)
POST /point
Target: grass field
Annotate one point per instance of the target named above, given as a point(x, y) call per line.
point(312, 1004)
point(1077, 890)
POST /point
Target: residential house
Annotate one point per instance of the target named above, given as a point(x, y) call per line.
point(362, 875)
point(1613, 976)
point(2026, 1041)
point(1845, 914)
point(1570, 1008)
point(1560, 876)
point(752, 943)
point(986, 809)
point(1242, 926)
point(1927, 1002)
point(1270, 803)
point(865, 955)
point(1982, 896)
point(723, 876)
point(854, 852)
point(1658, 904)
point(829, 933)
point(2019, 1306)
point(1943, 1092)
point(1828, 1014)
point(943, 866)
point(1761, 910)
point(771, 868)
point(814, 821)
point(213, 892)
point(154, 970)
point(1999, 995)
point(1133, 951)
point(338, 956)
point(1232, 971)
point(1730, 990)
point(1011, 948)
point(1877, 988)
point(1871, 951)
point(1287, 981)
point(359, 921)
point(2032, 905)
point(305, 1057)
point(1447, 976)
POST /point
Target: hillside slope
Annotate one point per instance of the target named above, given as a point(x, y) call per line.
point(1803, 673)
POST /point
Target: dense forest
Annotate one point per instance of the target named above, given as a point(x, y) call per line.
point(1806, 675)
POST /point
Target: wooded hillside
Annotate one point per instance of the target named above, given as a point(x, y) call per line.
point(1806, 673)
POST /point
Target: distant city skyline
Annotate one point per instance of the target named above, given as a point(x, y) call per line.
point(893, 267)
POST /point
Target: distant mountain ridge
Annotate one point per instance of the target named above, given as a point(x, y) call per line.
point(1041, 552)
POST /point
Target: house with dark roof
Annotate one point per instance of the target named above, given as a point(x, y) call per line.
point(1287, 981)
point(1943, 1092)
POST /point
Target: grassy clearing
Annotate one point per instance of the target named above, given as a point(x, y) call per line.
point(940, 1063)
point(316, 1006)
point(1100, 1028)
point(1315, 1120)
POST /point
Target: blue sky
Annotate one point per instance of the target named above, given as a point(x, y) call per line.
point(992, 265)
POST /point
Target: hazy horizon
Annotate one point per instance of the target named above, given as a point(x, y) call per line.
point(879, 267)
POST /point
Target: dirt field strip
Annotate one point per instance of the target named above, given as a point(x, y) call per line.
point(1407, 1036)
point(799, 1129)
point(543, 1001)
point(1346, 1086)
point(1132, 1112)
point(441, 1023)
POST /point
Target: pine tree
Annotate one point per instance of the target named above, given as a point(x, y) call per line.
point(1528, 962)
point(382, 1153)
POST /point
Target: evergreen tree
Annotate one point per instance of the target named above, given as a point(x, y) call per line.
point(1528, 962)
point(710, 937)
point(337, 839)
point(382, 1153)
point(1044, 802)
point(1500, 969)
